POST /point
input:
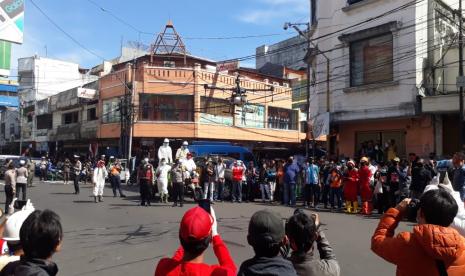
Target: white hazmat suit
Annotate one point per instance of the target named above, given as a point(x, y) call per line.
point(165, 152)
point(100, 173)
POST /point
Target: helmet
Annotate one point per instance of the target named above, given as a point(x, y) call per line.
point(13, 225)
point(351, 162)
point(166, 140)
point(22, 162)
point(185, 143)
point(364, 159)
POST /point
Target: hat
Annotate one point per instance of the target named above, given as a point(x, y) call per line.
point(185, 143)
point(266, 226)
point(22, 162)
point(364, 159)
point(196, 224)
point(13, 225)
point(351, 162)
point(166, 140)
point(396, 159)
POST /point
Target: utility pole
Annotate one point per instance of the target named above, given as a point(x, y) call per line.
point(461, 134)
point(131, 110)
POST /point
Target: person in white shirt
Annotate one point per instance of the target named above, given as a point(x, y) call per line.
point(162, 180)
point(220, 168)
point(373, 169)
point(182, 152)
point(98, 179)
point(165, 152)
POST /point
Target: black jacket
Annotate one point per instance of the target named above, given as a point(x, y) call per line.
point(420, 179)
point(275, 266)
point(30, 267)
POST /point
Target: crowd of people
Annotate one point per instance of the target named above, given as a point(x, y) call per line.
point(429, 192)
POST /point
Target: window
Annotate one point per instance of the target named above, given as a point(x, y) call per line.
point(168, 63)
point(280, 118)
point(45, 121)
point(91, 114)
point(111, 112)
point(29, 118)
point(175, 108)
point(70, 118)
point(2, 130)
point(371, 60)
point(216, 111)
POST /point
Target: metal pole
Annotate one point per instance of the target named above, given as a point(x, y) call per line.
point(131, 115)
point(20, 128)
point(308, 104)
point(328, 145)
point(461, 135)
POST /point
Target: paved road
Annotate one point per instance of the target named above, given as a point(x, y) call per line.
point(117, 237)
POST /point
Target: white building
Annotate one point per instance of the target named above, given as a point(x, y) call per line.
point(40, 78)
point(378, 52)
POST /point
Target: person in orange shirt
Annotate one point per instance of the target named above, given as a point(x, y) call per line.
point(433, 248)
point(335, 183)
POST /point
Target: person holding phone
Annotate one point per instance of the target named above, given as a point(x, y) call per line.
point(197, 230)
point(303, 231)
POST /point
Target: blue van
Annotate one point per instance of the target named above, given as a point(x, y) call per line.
point(207, 148)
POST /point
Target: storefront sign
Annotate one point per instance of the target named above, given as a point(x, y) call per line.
point(227, 66)
point(86, 93)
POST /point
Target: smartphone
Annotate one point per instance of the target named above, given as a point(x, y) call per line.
point(205, 204)
point(19, 204)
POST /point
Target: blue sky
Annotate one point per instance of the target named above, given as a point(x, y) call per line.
point(102, 33)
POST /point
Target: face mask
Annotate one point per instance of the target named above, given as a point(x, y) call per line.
point(163, 163)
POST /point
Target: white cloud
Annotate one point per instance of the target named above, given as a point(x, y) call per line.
point(270, 10)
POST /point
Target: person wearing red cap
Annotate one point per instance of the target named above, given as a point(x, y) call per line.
point(197, 230)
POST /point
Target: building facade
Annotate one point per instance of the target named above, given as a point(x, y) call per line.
point(376, 74)
point(185, 98)
point(39, 79)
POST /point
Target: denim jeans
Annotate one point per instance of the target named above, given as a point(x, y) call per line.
point(336, 193)
point(289, 193)
point(218, 195)
point(265, 191)
point(208, 188)
point(236, 191)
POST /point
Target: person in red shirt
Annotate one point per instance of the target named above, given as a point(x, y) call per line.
point(237, 174)
point(365, 191)
point(197, 230)
point(351, 187)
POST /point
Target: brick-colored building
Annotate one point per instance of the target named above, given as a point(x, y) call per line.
point(171, 100)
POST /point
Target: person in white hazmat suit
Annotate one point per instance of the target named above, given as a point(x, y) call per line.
point(181, 153)
point(98, 179)
point(165, 152)
point(162, 180)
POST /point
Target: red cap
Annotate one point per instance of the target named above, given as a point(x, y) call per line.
point(196, 224)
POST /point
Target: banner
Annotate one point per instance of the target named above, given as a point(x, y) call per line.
point(250, 115)
point(5, 58)
point(321, 125)
point(12, 20)
point(227, 66)
point(86, 93)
